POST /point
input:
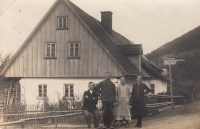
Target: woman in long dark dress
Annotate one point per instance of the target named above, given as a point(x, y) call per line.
point(139, 109)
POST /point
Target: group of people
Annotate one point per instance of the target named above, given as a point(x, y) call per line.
point(115, 102)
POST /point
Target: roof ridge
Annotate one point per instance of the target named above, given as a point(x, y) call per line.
point(131, 42)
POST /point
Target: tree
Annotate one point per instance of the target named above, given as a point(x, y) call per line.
point(4, 60)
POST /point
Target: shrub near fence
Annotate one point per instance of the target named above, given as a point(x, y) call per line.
point(20, 111)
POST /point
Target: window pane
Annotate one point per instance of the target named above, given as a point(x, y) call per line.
point(53, 55)
point(76, 54)
point(76, 49)
point(40, 91)
point(71, 91)
point(71, 45)
point(71, 54)
point(44, 91)
point(66, 91)
point(71, 95)
point(71, 49)
point(53, 48)
point(76, 45)
point(60, 23)
point(48, 50)
point(64, 23)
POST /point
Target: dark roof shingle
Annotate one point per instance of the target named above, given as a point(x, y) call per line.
point(131, 49)
point(106, 40)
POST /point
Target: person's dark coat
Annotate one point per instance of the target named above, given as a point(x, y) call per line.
point(108, 93)
point(138, 100)
point(89, 103)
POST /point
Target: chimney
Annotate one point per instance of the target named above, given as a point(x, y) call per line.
point(106, 21)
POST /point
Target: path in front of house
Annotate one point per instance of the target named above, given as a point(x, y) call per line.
point(180, 119)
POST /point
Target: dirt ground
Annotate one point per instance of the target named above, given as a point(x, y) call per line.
point(180, 119)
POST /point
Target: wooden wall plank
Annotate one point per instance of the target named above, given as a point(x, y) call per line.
point(85, 51)
point(62, 46)
point(44, 40)
point(95, 58)
point(82, 54)
point(71, 38)
point(21, 58)
point(35, 55)
point(62, 54)
point(48, 39)
point(58, 32)
point(40, 53)
point(53, 28)
point(16, 68)
point(25, 53)
point(30, 58)
point(100, 60)
point(76, 61)
point(66, 46)
point(90, 56)
point(109, 62)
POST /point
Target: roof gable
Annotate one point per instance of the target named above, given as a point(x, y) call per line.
point(30, 36)
point(38, 26)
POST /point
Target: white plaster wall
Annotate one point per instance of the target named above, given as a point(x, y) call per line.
point(160, 86)
point(29, 87)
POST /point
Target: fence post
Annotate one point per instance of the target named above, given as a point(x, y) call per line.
point(56, 123)
point(185, 104)
point(22, 123)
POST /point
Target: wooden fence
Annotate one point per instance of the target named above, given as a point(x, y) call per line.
point(18, 112)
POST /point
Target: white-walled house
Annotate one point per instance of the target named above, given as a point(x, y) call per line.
point(68, 49)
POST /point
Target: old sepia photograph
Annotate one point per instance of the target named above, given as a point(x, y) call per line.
point(99, 64)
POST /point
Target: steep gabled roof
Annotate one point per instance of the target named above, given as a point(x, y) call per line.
point(106, 40)
point(29, 37)
point(96, 29)
point(120, 39)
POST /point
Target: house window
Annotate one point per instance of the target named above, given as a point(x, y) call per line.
point(69, 90)
point(152, 88)
point(74, 50)
point(42, 90)
point(62, 22)
point(50, 50)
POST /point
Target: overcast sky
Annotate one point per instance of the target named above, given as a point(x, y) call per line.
point(148, 22)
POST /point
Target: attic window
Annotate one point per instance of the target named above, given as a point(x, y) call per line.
point(62, 23)
point(50, 50)
point(74, 50)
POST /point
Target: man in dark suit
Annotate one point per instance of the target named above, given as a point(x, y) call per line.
point(139, 109)
point(90, 99)
point(108, 98)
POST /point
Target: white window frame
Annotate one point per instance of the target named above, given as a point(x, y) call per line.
point(42, 90)
point(152, 88)
point(69, 93)
point(62, 22)
point(74, 49)
point(50, 56)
